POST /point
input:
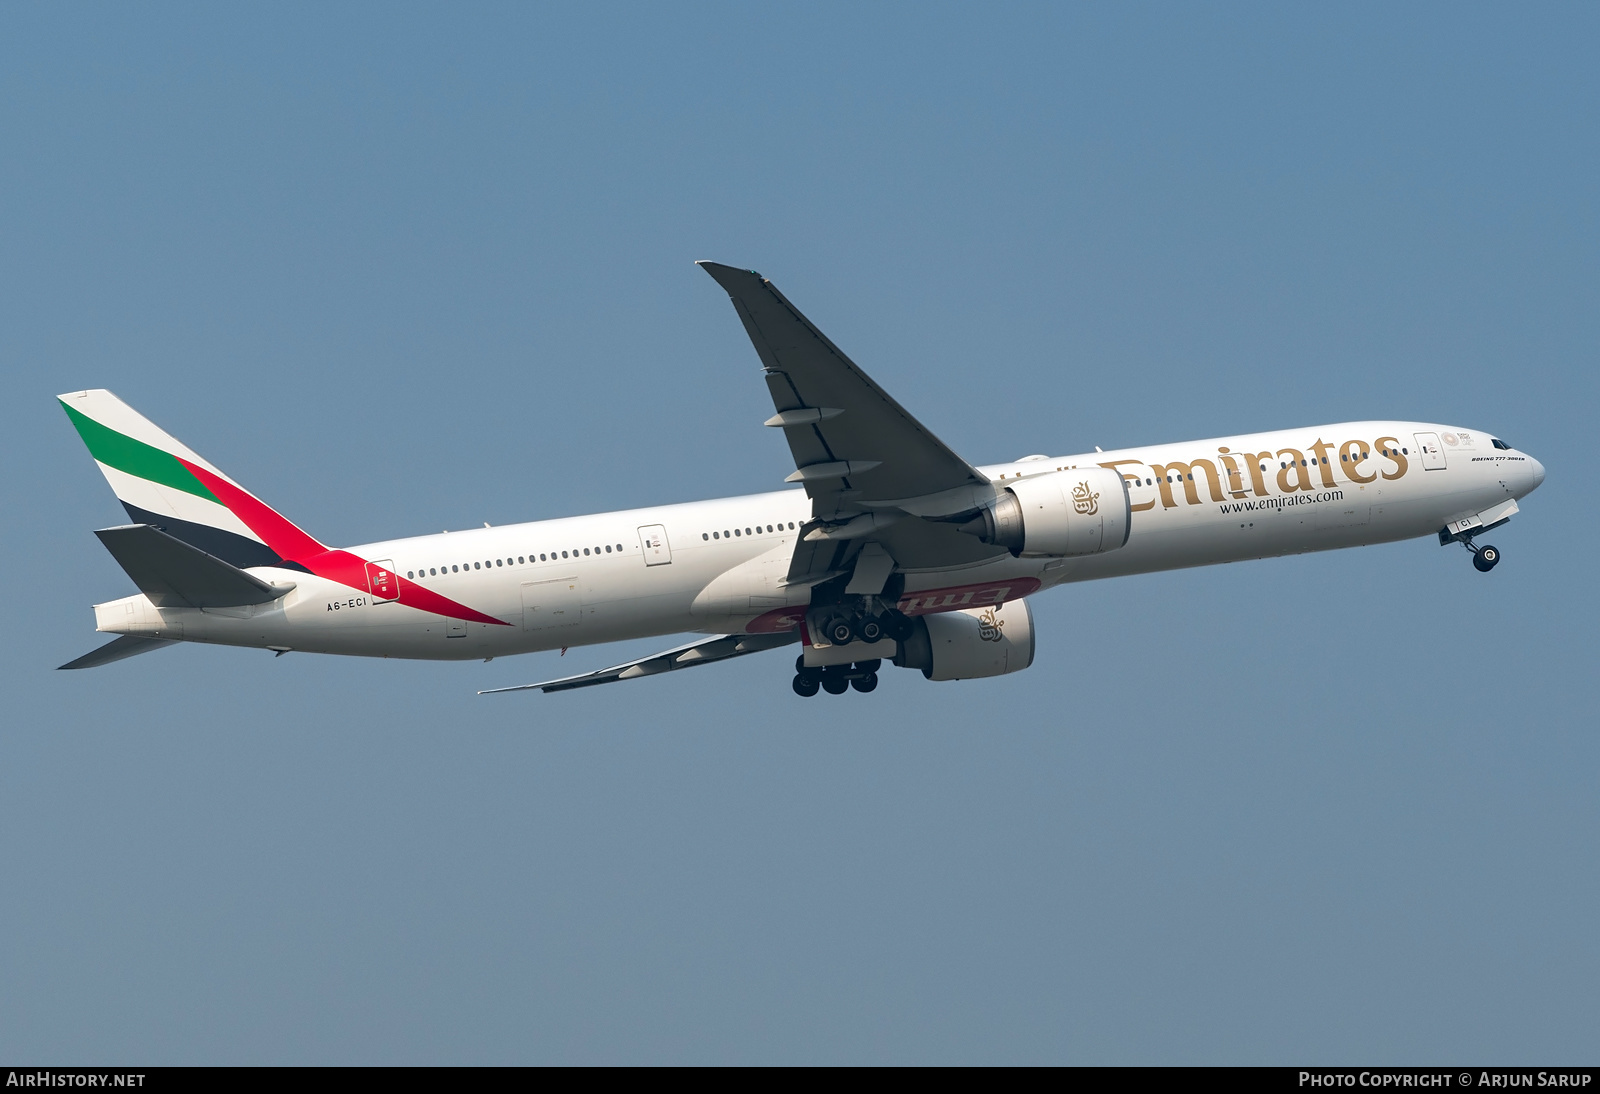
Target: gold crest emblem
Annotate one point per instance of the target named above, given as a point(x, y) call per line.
point(990, 629)
point(1084, 500)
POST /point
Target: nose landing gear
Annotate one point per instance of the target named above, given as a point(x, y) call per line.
point(1484, 558)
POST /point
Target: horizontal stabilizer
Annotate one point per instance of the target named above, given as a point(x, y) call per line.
point(701, 652)
point(129, 645)
point(175, 575)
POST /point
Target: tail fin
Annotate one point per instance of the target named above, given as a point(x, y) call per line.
point(161, 482)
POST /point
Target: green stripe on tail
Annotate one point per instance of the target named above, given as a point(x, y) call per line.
point(135, 457)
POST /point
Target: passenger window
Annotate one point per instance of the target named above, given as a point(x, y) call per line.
point(541, 558)
point(716, 535)
point(409, 575)
point(455, 569)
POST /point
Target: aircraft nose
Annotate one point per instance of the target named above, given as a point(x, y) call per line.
point(1538, 473)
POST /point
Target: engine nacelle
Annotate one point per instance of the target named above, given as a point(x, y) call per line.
point(1080, 512)
point(971, 643)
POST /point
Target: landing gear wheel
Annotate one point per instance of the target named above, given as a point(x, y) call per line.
point(897, 626)
point(805, 686)
point(865, 683)
point(1486, 558)
point(839, 631)
point(871, 629)
point(835, 684)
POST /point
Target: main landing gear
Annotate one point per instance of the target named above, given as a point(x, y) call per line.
point(835, 679)
point(843, 627)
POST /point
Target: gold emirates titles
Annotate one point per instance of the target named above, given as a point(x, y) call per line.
point(1294, 471)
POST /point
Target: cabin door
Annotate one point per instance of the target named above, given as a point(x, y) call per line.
point(1432, 454)
point(382, 581)
point(653, 540)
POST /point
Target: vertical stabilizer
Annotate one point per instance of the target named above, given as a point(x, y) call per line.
point(162, 482)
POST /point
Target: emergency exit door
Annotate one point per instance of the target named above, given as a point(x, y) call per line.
point(653, 541)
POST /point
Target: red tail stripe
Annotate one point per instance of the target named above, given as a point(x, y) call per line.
point(293, 545)
point(415, 596)
point(275, 531)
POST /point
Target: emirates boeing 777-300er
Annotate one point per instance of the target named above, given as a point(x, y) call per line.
point(893, 548)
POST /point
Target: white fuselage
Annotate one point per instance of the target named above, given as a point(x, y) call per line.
point(718, 566)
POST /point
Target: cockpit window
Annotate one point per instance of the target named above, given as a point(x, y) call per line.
point(1498, 443)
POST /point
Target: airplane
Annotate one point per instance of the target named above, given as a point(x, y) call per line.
point(893, 548)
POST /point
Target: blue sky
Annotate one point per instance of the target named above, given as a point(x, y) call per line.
point(399, 269)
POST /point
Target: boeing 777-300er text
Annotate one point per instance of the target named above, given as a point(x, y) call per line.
point(893, 548)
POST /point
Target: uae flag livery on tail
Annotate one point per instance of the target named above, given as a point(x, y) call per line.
point(154, 475)
point(165, 485)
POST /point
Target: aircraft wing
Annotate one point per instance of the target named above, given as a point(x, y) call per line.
point(700, 652)
point(860, 455)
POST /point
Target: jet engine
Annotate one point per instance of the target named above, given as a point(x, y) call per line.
point(1083, 511)
point(970, 643)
